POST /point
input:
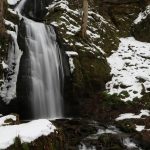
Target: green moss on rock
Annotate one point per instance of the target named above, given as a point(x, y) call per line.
point(126, 126)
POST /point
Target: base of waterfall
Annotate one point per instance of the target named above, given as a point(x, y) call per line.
point(26, 132)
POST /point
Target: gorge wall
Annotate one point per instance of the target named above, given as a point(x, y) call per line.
point(109, 20)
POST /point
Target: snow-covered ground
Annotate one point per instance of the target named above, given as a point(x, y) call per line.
point(130, 69)
point(26, 132)
point(133, 116)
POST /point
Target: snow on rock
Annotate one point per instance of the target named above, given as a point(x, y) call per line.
point(71, 54)
point(70, 22)
point(130, 69)
point(143, 15)
point(12, 11)
point(129, 143)
point(139, 128)
point(3, 119)
point(7, 22)
point(12, 2)
point(27, 132)
point(133, 116)
point(8, 88)
point(5, 66)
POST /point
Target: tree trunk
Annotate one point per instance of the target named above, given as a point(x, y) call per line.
point(84, 18)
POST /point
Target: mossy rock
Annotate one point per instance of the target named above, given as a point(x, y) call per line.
point(11, 121)
point(126, 126)
point(112, 101)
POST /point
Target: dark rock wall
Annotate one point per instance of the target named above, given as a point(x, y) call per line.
point(121, 13)
point(141, 30)
point(36, 9)
point(24, 82)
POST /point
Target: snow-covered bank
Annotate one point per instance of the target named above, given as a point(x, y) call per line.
point(26, 132)
point(130, 69)
point(133, 116)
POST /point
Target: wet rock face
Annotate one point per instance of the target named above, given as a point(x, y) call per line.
point(36, 9)
point(24, 76)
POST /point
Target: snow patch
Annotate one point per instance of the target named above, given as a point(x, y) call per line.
point(71, 54)
point(133, 116)
point(5, 66)
point(139, 128)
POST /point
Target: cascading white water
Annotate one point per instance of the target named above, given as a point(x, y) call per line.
point(20, 6)
point(46, 69)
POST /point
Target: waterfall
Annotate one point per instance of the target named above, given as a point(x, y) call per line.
point(20, 6)
point(46, 70)
point(46, 98)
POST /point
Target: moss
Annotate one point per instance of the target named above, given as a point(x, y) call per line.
point(112, 101)
point(25, 146)
point(143, 102)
